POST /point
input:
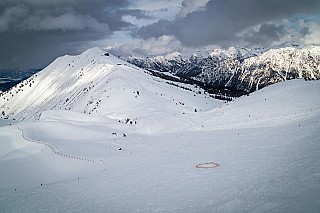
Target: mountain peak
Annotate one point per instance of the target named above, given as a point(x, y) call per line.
point(95, 51)
point(95, 82)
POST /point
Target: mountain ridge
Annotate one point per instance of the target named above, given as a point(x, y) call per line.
point(97, 82)
point(240, 68)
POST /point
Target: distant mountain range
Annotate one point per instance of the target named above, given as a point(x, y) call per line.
point(239, 69)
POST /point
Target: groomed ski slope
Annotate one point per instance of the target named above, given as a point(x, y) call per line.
point(267, 145)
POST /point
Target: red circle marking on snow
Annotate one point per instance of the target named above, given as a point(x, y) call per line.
point(209, 165)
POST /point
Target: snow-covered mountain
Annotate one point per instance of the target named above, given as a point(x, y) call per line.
point(101, 135)
point(96, 82)
point(240, 68)
point(266, 145)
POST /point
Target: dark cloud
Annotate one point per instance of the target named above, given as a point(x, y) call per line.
point(34, 32)
point(139, 14)
point(265, 34)
point(222, 21)
point(35, 50)
point(20, 15)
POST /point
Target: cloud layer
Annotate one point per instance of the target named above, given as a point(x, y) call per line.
point(34, 32)
point(223, 22)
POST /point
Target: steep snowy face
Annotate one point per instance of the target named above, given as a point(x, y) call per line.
point(275, 66)
point(170, 62)
point(242, 69)
point(96, 82)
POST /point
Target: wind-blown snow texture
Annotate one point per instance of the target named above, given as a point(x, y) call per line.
point(240, 68)
point(138, 152)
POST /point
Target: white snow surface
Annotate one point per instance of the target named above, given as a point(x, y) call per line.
point(105, 85)
point(71, 156)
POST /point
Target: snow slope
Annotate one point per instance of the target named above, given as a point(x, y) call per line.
point(139, 152)
point(92, 83)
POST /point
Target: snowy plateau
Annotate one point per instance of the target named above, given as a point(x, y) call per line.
point(93, 133)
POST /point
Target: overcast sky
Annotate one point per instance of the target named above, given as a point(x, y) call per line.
point(35, 32)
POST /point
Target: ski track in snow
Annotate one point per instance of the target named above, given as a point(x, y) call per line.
point(53, 149)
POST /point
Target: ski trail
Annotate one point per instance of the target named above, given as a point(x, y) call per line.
point(53, 149)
